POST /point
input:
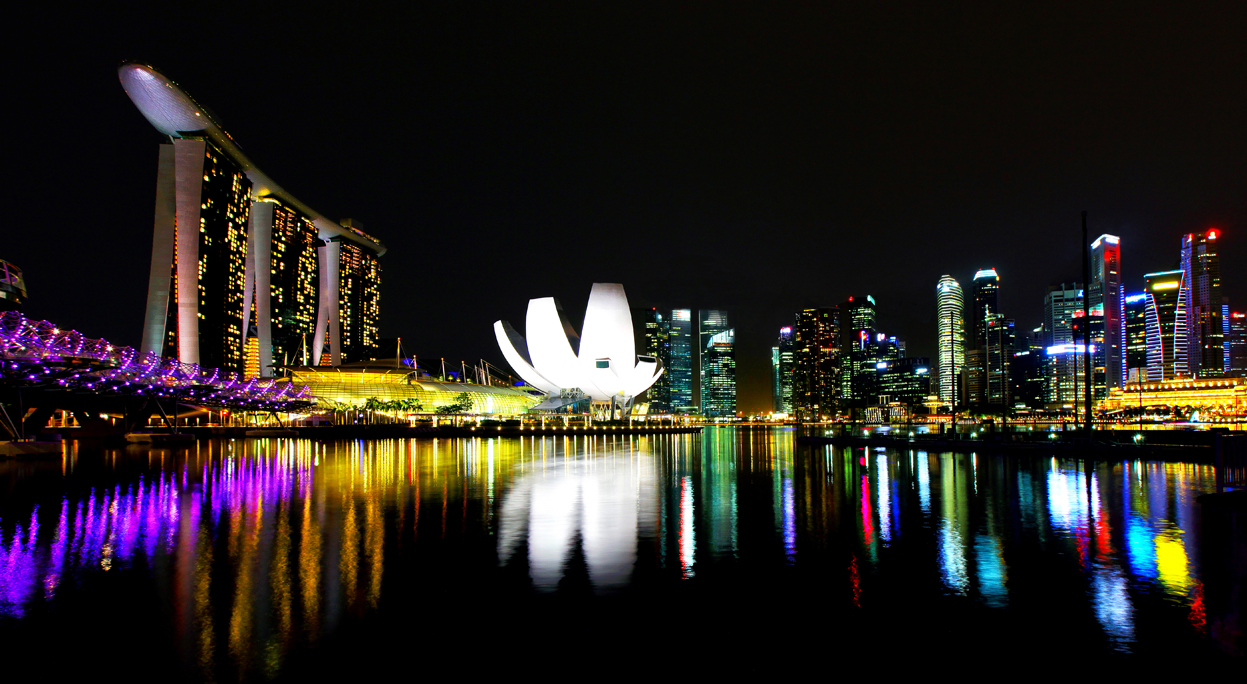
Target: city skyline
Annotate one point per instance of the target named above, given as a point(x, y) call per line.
point(976, 162)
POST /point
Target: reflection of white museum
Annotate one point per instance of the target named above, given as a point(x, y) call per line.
point(598, 366)
point(604, 501)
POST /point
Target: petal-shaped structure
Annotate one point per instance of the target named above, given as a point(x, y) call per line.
point(602, 363)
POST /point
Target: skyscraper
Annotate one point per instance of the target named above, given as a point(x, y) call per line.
point(1105, 292)
point(784, 368)
point(1238, 344)
point(1201, 302)
point(656, 342)
point(232, 251)
point(986, 304)
point(718, 380)
point(857, 331)
point(950, 303)
point(1136, 308)
point(1062, 372)
point(285, 282)
point(816, 363)
point(681, 369)
point(710, 322)
point(1000, 343)
point(1166, 325)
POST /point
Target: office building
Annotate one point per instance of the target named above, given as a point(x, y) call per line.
point(1095, 322)
point(1061, 304)
point(1000, 344)
point(1237, 324)
point(1135, 309)
point(1165, 318)
point(1105, 292)
point(1201, 303)
point(986, 303)
point(681, 369)
point(232, 250)
point(906, 380)
point(857, 332)
point(816, 363)
point(783, 362)
point(710, 322)
point(950, 303)
point(718, 378)
point(656, 342)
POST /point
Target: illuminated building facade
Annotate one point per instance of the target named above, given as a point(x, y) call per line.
point(710, 322)
point(1061, 304)
point(986, 304)
point(1213, 398)
point(681, 370)
point(230, 248)
point(1000, 340)
point(12, 287)
point(950, 304)
point(1099, 380)
point(816, 363)
point(1238, 343)
point(718, 376)
point(656, 342)
point(784, 360)
point(1135, 308)
point(906, 380)
point(857, 333)
point(285, 293)
point(1201, 302)
point(359, 303)
point(1105, 292)
point(1165, 317)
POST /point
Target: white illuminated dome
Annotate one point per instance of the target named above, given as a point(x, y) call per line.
point(602, 362)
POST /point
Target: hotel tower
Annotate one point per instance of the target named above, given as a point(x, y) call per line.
point(245, 277)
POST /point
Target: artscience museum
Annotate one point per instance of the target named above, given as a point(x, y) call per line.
point(598, 366)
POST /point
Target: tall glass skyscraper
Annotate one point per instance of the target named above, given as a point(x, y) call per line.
point(816, 363)
point(1135, 318)
point(986, 304)
point(1105, 293)
point(950, 303)
point(784, 370)
point(718, 376)
point(710, 322)
point(681, 369)
point(1062, 370)
point(1201, 301)
point(1166, 325)
point(657, 343)
point(857, 332)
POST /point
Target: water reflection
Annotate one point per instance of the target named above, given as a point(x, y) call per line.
point(260, 547)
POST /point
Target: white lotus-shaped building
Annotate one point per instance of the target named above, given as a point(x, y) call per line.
point(602, 362)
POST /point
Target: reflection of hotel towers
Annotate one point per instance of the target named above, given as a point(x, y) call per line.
point(950, 302)
point(248, 253)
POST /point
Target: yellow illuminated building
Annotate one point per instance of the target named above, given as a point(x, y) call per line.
point(353, 384)
point(1214, 396)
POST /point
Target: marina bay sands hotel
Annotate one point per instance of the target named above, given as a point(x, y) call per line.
point(244, 277)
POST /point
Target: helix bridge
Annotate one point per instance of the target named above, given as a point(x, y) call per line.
point(53, 368)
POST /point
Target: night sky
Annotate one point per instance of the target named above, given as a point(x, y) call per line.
point(761, 159)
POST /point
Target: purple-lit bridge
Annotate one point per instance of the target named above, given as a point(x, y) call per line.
point(44, 369)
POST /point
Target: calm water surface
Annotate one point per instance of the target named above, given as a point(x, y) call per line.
point(260, 559)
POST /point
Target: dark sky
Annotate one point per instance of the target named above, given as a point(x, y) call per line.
point(759, 158)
